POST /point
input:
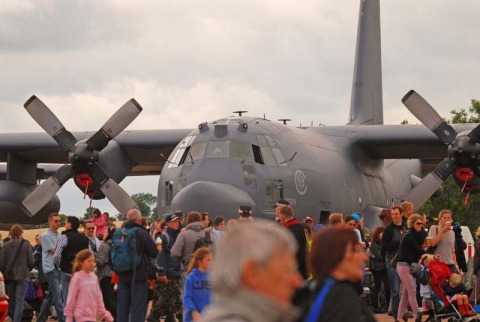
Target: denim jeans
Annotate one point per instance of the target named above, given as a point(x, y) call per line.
point(132, 307)
point(66, 278)
point(54, 294)
point(16, 296)
point(394, 288)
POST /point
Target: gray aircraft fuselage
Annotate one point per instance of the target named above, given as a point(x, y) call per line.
point(251, 161)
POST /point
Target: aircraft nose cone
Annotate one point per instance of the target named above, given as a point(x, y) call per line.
point(212, 197)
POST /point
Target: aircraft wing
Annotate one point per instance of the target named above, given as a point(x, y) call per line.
point(392, 141)
point(142, 147)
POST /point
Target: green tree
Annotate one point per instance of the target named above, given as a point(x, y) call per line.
point(88, 214)
point(147, 203)
point(465, 210)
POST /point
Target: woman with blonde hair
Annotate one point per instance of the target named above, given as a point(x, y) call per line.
point(409, 252)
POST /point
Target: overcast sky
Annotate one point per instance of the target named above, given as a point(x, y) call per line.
point(188, 62)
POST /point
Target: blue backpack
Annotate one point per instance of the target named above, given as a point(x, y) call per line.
point(123, 252)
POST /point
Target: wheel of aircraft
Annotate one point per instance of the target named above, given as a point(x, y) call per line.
point(83, 155)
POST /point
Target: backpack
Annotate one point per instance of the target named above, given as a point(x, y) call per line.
point(31, 292)
point(204, 242)
point(124, 255)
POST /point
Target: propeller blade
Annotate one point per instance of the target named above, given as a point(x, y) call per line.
point(426, 188)
point(474, 135)
point(116, 124)
point(42, 194)
point(426, 114)
point(49, 122)
point(114, 193)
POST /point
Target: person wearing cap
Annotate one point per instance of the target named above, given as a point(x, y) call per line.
point(245, 213)
point(359, 223)
point(286, 216)
point(309, 222)
point(105, 272)
point(181, 219)
point(167, 300)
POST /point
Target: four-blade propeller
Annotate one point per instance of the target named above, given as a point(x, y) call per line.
point(462, 150)
point(83, 155)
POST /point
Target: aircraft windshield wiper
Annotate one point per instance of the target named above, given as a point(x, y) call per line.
point(161, 154)
point(293, 156)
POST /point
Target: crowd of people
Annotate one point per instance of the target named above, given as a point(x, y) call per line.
point(195, 268)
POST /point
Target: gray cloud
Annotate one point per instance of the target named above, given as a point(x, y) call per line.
point(195, 61)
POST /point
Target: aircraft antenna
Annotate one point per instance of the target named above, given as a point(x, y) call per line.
point(284, 121)
point(240, 112)
point(243, 161)
point(190, 154)
point(161, 154)
point(293, 156)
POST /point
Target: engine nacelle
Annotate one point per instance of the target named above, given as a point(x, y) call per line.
point(115, 163)
point(11, 196)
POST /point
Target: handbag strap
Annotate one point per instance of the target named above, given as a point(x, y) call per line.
point(17, 252)
point(319, 301)
point(401, 242)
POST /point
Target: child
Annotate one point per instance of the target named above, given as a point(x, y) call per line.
point(196, 293)
point(85, 299)
point(454, 290)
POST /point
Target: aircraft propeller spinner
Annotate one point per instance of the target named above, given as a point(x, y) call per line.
point(463, 154)
point(83, 155)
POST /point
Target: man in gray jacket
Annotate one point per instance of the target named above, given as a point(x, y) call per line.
point(16, 261)
point(184, 246)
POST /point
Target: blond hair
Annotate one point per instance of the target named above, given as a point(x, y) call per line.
point(455, 279)
point(412, 219)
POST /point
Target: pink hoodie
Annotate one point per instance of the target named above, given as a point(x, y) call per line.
point(85, 299)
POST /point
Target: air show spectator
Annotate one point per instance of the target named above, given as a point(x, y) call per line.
point(254, 280)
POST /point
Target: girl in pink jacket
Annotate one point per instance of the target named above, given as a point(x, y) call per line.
point(85, 299)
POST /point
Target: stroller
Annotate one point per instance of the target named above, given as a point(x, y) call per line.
point(435, 274)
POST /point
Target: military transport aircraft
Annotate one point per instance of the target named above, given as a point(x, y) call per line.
point(246, 160)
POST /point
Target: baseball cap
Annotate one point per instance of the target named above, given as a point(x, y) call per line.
point(356, 217)
point(307, 219)
point(171, 218)
point(245, 211)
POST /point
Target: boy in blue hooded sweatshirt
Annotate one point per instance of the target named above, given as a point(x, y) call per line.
point(196, 294)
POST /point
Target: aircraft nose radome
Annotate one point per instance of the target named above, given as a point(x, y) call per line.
point(212, 197)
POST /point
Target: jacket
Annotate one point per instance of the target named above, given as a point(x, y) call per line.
point(85, 299)
point(145, 248)
point(103, 265)
point(196, 294)
point(23, 264)
point(75, 243)
point(392, 235)
point(165, 259)
point(299, 234)
point(184, 246)
point(247, 306)
point(376, 259)
point(411, 248)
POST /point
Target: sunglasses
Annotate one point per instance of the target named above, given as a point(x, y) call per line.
point(419, 223)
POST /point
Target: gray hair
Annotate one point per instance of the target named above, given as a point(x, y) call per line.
point(133, 215)
point(257, 241)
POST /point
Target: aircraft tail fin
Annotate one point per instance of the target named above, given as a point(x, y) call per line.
point(366, 106)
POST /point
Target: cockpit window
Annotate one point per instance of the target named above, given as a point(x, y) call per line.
point(241, 151)
point(175, 158)
point(279, 156)
point(268, 157)
point(198, 150)
point(218, 150)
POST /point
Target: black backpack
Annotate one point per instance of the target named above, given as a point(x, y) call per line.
point(204, 242)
